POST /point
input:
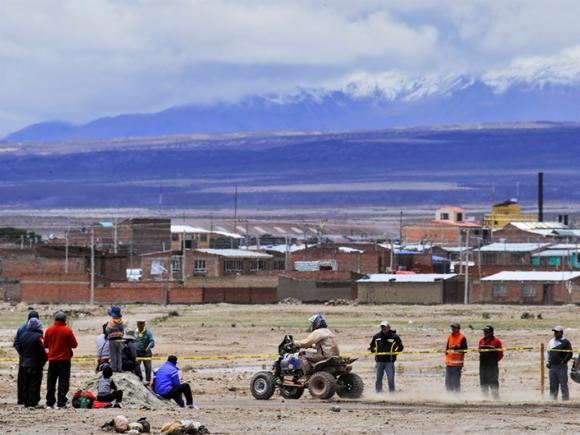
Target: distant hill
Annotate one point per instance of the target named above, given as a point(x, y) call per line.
point(436, 165)
point(363, 104)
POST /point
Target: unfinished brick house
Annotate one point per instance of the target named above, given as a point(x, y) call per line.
point(529, 287)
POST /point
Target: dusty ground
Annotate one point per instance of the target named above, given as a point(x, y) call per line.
point(221, 386)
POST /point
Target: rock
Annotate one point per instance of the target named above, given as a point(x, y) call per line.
point(335, 408)
point(290, 301)
point(136, 426)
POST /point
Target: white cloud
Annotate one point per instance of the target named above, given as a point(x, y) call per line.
point(77, 60)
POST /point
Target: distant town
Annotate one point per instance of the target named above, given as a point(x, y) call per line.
point(507, 257)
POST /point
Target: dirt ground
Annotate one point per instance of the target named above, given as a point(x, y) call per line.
point(221, 387)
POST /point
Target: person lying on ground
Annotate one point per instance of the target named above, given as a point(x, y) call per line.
point(107, 391)
point(168, 385)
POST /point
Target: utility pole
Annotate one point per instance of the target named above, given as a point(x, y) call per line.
point(401, 228)
point(183, 257)
point(235, 208)
point(66, 250)
point(115, 236)
point(466, 291)
point(92, 266)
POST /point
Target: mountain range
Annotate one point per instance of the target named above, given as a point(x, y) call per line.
point(363, 102)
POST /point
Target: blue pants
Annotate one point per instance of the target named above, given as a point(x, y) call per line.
point(389, 369)
point(453, 379)
point(558, 375)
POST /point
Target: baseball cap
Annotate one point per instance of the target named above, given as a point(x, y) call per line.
point(558, 329)
point(456, 325)
point(385, 323)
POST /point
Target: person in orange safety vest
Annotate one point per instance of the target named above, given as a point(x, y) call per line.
point(454, 358)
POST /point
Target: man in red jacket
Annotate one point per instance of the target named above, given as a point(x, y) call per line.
point(490, 353)
point(60, 341)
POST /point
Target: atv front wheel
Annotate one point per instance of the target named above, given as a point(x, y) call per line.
point(291, 392)
point(350, 386)
point(322, 385)
point(262, 385)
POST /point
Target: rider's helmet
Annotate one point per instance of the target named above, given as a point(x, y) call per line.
point(317, 321)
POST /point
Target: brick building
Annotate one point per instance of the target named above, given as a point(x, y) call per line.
point(200, 238)
point(537, 232)
point(421, 288)
point(343, 259)
point(319, 286)
point(507, 254)
point(529, 287)
point(212, 263)
point(449, 227)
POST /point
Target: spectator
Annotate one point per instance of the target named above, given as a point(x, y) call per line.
point(559, 353)
point(115, 330)
point(144, 342)
point(455, 355)
point(103, 354)
point(490, 354)
point(32, 360)
point(107, 391)
point(60, 341)
point(168, 385)
point(20, 380)
point(129, 355)
point(386, 341)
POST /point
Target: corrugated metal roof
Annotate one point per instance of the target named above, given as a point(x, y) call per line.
point(532, 276)
point(234, 253)
point(556, 253)
point(418, 277)
point(513, 247)
point(179, 229)
point(527, 226)
point(278, 248)
point(348, 250)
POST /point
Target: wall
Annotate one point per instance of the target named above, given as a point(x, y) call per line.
point(73, 288)
point(319, 286)
point(514, 293)
point(234, 281)
point(365, 262)
point(400, 293)
point(10, 290)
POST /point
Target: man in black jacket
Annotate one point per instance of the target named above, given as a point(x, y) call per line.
point(21, 381)
point(386, 341)
point(559, 353)
point(32, 360)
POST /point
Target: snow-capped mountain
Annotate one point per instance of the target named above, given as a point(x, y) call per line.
point(530, 89)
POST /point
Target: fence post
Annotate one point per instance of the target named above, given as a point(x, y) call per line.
point(542, 370)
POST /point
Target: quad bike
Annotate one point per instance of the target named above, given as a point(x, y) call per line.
point(329, 376)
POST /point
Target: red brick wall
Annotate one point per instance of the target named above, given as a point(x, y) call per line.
point(186, 295)
point(366, 262)
point(514, 289)
point(55, 288)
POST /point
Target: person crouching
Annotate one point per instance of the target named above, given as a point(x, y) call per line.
point(107, 390)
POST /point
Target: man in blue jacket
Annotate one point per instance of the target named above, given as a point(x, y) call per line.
point(21, 382)
point(168, 385)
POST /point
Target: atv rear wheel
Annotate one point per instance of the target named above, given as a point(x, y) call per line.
point(262, 385)
point(291, 392)
point(322, 385)
point(350, 386)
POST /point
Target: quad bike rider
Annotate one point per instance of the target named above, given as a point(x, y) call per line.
point(321, 339)
point(322, 371)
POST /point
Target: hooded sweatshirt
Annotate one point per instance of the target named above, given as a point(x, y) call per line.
point(31, 345)
point(60, 341)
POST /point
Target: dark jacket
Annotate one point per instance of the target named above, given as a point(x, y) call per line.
point(555, 356)
point(490, 357)
point(31, 348)
point(389, 342)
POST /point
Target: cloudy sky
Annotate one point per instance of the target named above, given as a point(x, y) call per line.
point(76, 60)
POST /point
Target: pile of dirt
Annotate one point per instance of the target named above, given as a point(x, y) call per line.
point(339, 302)
point(135, 394)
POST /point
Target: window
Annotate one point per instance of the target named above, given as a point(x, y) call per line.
point(518, 259)
point(459, 217)
point(444, 216)
point(489, 258)
point(175, 237)
point(279, 264)
point(257, 265)
point(199, 266)
point(176, 264)
point(234, 265)
point(529, 291)
point(203, 238)
point(499, 290)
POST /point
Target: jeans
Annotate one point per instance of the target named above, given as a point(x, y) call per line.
point(115, 355)
point(382, 368)
point(176, 393)
point(57, 370)
point(146, 363)
point(453, 378)
point(558, 375)
point(32, 383)
point(489, 380)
